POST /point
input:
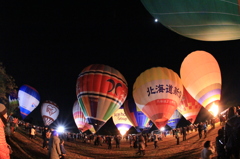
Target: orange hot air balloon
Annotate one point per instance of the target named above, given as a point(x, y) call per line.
point(157, 92)
point(201, 76)
point(189, 107)
point(101, 90)
point(79, 118)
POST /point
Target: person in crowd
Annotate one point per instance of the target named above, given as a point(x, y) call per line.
point(177, 135)
point(109, 142)
point(141, 148)
point(205, 129)
point(220, 144)
point(208, 150)
point(117, 141)
point(5, 149)
point(62, 148)
point(32, 132)
point(232, 133)
point(200, 129)
point(184, 133)
point(54, 146)
point(155, 139)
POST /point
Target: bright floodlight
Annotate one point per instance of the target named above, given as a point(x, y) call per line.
point(214, 109)
point(162, 128)
point(156, 20)
point(60, 129)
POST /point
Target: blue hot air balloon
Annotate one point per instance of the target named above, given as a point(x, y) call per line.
point(175, 118)
point(29, 99)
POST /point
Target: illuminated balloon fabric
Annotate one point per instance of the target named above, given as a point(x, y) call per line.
point(157, 92)
point(189, 107)
point(121, 120)
point(175, 118)
point(201, 76)
point(101, 90)
point(49, 111)
point(204, 20)
point(139, 120)
point(29, 99)
point(79, 118)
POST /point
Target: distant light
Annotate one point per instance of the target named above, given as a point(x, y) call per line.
point(162, 128)
point(156, 20)
point(60, 129)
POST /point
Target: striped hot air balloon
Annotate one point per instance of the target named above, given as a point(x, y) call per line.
point(29, 99)
point(101, 90)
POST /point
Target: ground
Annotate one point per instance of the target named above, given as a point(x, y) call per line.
point(25, 148)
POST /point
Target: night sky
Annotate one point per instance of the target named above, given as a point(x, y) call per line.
point(46, 45)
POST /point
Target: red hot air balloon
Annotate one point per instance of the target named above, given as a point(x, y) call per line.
point(189, 107)
point(158, 92)
point(101, 90)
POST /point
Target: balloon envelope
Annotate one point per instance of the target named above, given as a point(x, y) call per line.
point(121, 121)
point(28, 98)
point(189, 107)
point(201, 76)
point(49, 111)
point(101, 90)
point(204, 20)
point(157, 92)
point(79, 118)
point(139, 120)
point(175, 118)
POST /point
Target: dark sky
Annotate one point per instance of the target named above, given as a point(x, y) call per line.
point(46, 45)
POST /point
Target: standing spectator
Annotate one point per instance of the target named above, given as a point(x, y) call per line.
point(184, 133)
point(177, 136)
point(44, 137)
point(200, 129)
point(220, 144)
point(109, 142)
point(208, 150)
point(141, 148)
point(117, 141)
point(155, 138)
point(63, 151)
point(205, 129)
point(32, 132)
point(4, 147)
point(54, 146)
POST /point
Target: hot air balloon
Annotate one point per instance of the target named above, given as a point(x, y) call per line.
point(101, 90)
point(201, 76)
point(79, 118)
point(189, 107)
point(201, 20)
point(121, 121)
point(28, 98)
point(175, 118)
point(13, 101)
point(157, 92)
point(49, 111)
point(139, 120)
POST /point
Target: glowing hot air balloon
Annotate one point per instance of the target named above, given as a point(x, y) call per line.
point(139, 120)
point(201, 76)
point(207, 20)
point(49, 111)
point(121, 121)
point(189, 107)
point(79, 118)
point(28, 98)
point(157, 92)
point(175, 118)
point(101, 90)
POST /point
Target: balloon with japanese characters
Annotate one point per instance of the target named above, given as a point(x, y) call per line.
point(157, 92)
point(201, 76)
point(174, 120)
point(100, 90)
point(189, 107)
point(206, 20)
point(49, 111)
point(79, 118)
point(121, 121)
point(139, 120)
point(28, 98)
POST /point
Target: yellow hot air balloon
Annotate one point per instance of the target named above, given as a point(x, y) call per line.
point(201, 76)
point(157, 92)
